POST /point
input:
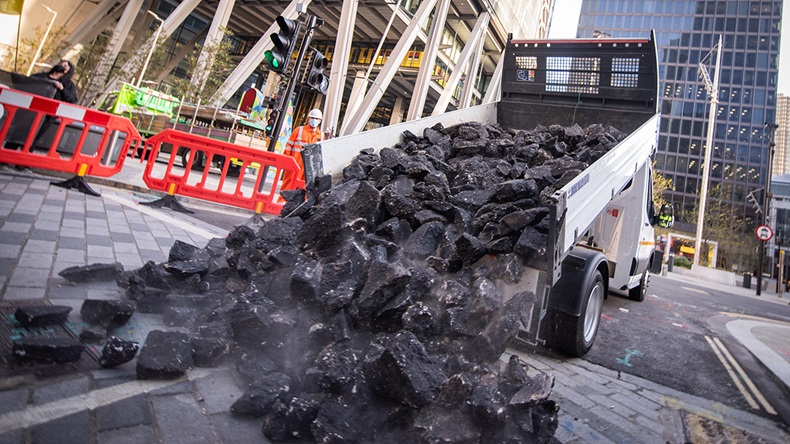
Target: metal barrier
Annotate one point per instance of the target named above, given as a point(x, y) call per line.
point(244, 177)
point(39, 132)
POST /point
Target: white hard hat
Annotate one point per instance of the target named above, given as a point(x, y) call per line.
point(316, 114)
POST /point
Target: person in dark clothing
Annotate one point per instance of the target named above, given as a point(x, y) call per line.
point(65, 91)
point(60, 75)
point(69, 92)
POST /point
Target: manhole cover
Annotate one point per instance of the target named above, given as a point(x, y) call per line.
point(11, 330)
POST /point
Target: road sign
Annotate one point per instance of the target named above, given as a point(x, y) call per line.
point(764, 232)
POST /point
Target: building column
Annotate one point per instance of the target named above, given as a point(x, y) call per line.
point(254, 57)
point(93, 24)
point(494, 86)
point(216, 32)
point(339, 70)
point(423, 82)
point(471, 76)
point(397, 111)
point(472, 44)
point(173, 21)
point(117, 40)
point(383, 79)
point(358, 91)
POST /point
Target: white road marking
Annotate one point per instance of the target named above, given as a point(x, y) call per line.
point(741, 388)
point(40, 414)
point(186, 226)
point(695, 290)
point(757, 394)
point(677, 325)
point(624, 310)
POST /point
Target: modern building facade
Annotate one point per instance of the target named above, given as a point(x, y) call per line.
point(428, 37)
point(782, 138)
point(687, 32)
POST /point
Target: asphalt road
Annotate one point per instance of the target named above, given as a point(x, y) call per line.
point(669, 339)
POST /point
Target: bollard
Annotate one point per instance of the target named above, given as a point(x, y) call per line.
point(670, 262)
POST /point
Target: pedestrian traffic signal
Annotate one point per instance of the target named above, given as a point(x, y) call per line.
point(280, 55)
point(316, 78)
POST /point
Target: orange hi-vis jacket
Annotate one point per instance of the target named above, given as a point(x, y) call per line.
point(301, 136)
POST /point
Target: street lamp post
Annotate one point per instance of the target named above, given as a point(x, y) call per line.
point(44, 39)
point(713, 93)
point(153, 46)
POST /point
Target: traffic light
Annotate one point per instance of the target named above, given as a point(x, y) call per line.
point(316, 78)
point(280, 55)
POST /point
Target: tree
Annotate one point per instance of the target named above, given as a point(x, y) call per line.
point(661, 185)
point(20, 60)
point(724, 224)
point(223, 64)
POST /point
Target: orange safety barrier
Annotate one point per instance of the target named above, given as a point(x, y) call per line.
point(40, 132)
point(243, 177)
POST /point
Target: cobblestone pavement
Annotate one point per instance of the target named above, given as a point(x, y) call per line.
point(44, 229)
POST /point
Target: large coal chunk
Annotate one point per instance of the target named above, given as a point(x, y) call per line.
point(208, 352)
point(399, 368)
point(165, 355)
point(258, 400)
point(108, 313)
point(384, 281)
point(92, 272)
point(116, 351)
point(531, 244)
point(425, 240)
point(181, 251)
point(51, 350)
point(42, 316)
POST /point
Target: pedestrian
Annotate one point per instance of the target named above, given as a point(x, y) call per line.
point(301, 136)
point(69, 93)
point(60, 76)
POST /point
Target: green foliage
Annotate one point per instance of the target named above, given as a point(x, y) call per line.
point(682, 261)
point(88, 59)
point(54, 44)
point(221, 65)
point(725, 224)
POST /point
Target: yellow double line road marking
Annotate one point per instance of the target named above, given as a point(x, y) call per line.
point(732, 366)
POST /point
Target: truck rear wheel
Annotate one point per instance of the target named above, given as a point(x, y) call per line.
point(638, 293)
point(574, 335)
point(197, 164)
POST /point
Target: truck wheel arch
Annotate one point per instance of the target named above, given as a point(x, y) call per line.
point(578, 271)
point(574, 309)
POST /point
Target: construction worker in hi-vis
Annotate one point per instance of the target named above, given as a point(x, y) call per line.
point(301, 136)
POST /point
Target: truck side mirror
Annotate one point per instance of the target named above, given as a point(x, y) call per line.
point(666, 216)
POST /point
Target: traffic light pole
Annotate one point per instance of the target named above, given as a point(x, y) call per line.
point(308, 37)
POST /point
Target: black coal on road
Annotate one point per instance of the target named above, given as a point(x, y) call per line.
point(378, 309)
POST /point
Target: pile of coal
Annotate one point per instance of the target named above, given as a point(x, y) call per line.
point(379, 309)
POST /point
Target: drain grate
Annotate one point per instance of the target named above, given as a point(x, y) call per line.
point(11, 330)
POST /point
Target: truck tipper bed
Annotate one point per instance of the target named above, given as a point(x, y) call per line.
point(601, 237)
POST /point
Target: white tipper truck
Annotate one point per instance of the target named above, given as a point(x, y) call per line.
point(602, 236)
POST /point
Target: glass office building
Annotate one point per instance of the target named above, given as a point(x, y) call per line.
point(687, 32)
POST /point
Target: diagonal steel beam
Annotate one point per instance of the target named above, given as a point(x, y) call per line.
point(383, 79)
point(253, 58)
point(471, 45)
point(339, 70)
point(423, 83)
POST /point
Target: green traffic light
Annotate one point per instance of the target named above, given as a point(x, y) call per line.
point(269, 56)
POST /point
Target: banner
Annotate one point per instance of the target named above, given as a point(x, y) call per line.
point(13, 7)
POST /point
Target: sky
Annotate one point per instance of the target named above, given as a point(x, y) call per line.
point(566, 19)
